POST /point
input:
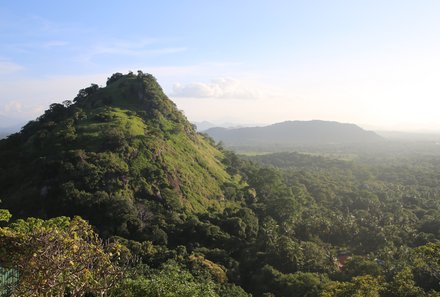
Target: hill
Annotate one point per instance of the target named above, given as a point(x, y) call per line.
point(118, 156)
point(183, 222)
point(291, 133)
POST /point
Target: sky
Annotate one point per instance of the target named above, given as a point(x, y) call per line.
point(373, 63)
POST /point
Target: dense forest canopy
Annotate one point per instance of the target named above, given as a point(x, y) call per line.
point(182, 216)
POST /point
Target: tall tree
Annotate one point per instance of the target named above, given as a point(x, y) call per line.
point(57, 257)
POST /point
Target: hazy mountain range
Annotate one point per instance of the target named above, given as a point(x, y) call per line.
point(314, 132)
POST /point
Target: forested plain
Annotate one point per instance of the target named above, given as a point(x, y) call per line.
point(116, 194)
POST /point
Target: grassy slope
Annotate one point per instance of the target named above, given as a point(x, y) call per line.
point(162, 152)
point(190, 161)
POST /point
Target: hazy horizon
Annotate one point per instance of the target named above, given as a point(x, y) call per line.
point(373, 64)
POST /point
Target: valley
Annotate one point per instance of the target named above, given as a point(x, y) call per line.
point(119, 170)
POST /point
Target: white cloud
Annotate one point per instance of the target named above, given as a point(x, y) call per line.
point(54, 43)
point(224, 88)
point(7, 67)
point(27, 98)
point(131, 48)
point(13, 107)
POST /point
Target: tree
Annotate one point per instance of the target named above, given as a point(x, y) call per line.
point(116, 76)
point(58, 256)
point(357, 266)
point(169, 281)
point(5, 215)
point(304, 284)
point(403, 285)
point(427, 266)
point(361, 286)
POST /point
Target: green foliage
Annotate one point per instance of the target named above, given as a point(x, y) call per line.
point(358, 266)
point(110, 156)
point(169, 281)
point(5, 215)
point(293, 284)
point(403, 285)
point(58, 256)
point(116, 76)
point(361, 286)
point(427, 266)
point(202, 221)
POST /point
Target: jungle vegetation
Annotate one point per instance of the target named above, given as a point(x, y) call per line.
point(116, 194)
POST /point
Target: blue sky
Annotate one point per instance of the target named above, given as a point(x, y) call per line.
point(374, 63)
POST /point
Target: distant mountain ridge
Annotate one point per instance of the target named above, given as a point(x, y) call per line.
point(9, 126)
point(315, 132)
point(5, 131)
